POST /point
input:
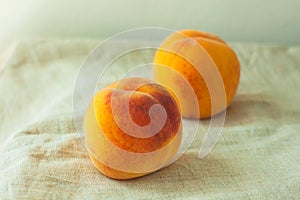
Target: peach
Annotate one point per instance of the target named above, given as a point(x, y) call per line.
point(132, 128)
point(190, 55)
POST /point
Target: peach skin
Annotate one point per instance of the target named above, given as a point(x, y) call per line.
point(174, 55)
point(132, 128)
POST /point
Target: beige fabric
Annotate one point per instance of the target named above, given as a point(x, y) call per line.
point(41, 155)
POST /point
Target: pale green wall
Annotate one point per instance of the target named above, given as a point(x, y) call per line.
point(274, 21)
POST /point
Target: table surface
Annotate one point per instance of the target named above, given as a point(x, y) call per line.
point(42, 156)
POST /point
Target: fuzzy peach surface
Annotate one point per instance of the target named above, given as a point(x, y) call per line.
point(114, 150)
point(188, 43)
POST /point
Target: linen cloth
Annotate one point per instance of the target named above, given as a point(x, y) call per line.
point(42, 156)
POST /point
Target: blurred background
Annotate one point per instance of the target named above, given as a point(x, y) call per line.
point(268, 21)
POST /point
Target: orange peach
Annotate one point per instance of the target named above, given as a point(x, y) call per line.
point(209, 66)
point(132, 128)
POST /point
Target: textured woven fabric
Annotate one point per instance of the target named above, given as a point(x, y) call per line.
point(42, 156)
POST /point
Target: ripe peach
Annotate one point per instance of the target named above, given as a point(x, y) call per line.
point(192, 55)
point(132, 128)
